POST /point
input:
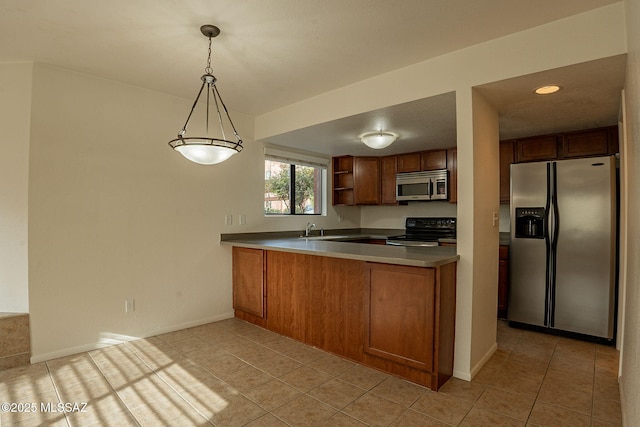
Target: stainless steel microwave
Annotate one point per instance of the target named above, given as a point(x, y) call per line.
point(428, 185)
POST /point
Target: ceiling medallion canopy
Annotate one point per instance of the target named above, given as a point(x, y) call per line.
point(378, 140)
point(207, 150)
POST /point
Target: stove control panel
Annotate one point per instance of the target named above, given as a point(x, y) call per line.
point(430, 223)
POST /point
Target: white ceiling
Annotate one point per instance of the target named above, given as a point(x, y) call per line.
point(273, 53)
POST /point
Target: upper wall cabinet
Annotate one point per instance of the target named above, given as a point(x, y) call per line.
point(372, 180)
point(569, 145)
point(388, 171)
point(595, 142)
point(422, 161)
point(433, 160)
point(507, 156)
point(342, 168)
point(366, 180)
point(537, 148)
point(410, 162)
point(452, 167)
point(356, 180)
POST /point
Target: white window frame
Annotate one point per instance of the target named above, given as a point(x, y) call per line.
point(301, 158)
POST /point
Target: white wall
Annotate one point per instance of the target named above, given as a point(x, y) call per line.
point(114, 214)
point(395, 216)
point(477, 243)
point(15, 115)
point(630, 356)
point(595, 34)
point(486, 206)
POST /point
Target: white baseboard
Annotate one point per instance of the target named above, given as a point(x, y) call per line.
point(468, 376)
point(108, 339)
point(484, 360)
point(622, 401)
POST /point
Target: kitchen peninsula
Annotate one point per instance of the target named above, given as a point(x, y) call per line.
point(390, 308)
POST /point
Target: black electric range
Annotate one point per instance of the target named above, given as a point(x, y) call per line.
point(425, 231)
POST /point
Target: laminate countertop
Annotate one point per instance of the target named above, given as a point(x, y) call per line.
point(341, 247)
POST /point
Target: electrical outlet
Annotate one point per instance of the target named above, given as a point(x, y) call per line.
point(228, 219)
point(242, 219)
point(340, 218)
point(129, 305)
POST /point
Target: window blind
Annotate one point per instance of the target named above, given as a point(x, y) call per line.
point(304, 159)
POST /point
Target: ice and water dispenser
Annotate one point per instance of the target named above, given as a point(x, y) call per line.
point(530, 223)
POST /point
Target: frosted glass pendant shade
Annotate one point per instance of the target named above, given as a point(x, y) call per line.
point(205, 154)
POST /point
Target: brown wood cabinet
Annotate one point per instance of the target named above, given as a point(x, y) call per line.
point(567, 145)
point(342, 183)
point(248, 284)
point(366, 180)
point(410, 162)
point(507, 157)
point(433, 160)
point(594, 142)
point(400, 314)
point(537, 148)
point(503, 281)
point(452, 166)
point(394, 318)
point(356, 180)
point(372, 180)
point(388, 171)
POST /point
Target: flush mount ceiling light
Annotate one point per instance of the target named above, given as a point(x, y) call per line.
point(547, 89)
point(378, 140)
point(207, 150)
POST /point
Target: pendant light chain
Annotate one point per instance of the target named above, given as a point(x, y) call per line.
point(209, 70)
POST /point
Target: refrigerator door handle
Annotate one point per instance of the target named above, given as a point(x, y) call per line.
point(554, 244)
point(547, 241)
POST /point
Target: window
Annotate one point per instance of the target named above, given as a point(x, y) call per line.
point(293, 187)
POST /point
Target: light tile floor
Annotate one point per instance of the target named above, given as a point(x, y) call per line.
point(232, 373)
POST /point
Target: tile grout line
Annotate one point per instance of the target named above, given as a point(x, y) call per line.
point(113, 388)
point(155, 373)
point(55, 387)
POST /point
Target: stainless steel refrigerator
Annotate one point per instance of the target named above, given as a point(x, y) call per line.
point(562, 254)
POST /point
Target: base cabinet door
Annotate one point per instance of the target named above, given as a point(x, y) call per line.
point(399, 310)
point(248, 283)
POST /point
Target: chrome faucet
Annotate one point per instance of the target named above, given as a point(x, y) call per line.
point(307, 230)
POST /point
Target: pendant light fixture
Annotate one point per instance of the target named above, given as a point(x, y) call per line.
point(207, 150)
point(379, 139)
